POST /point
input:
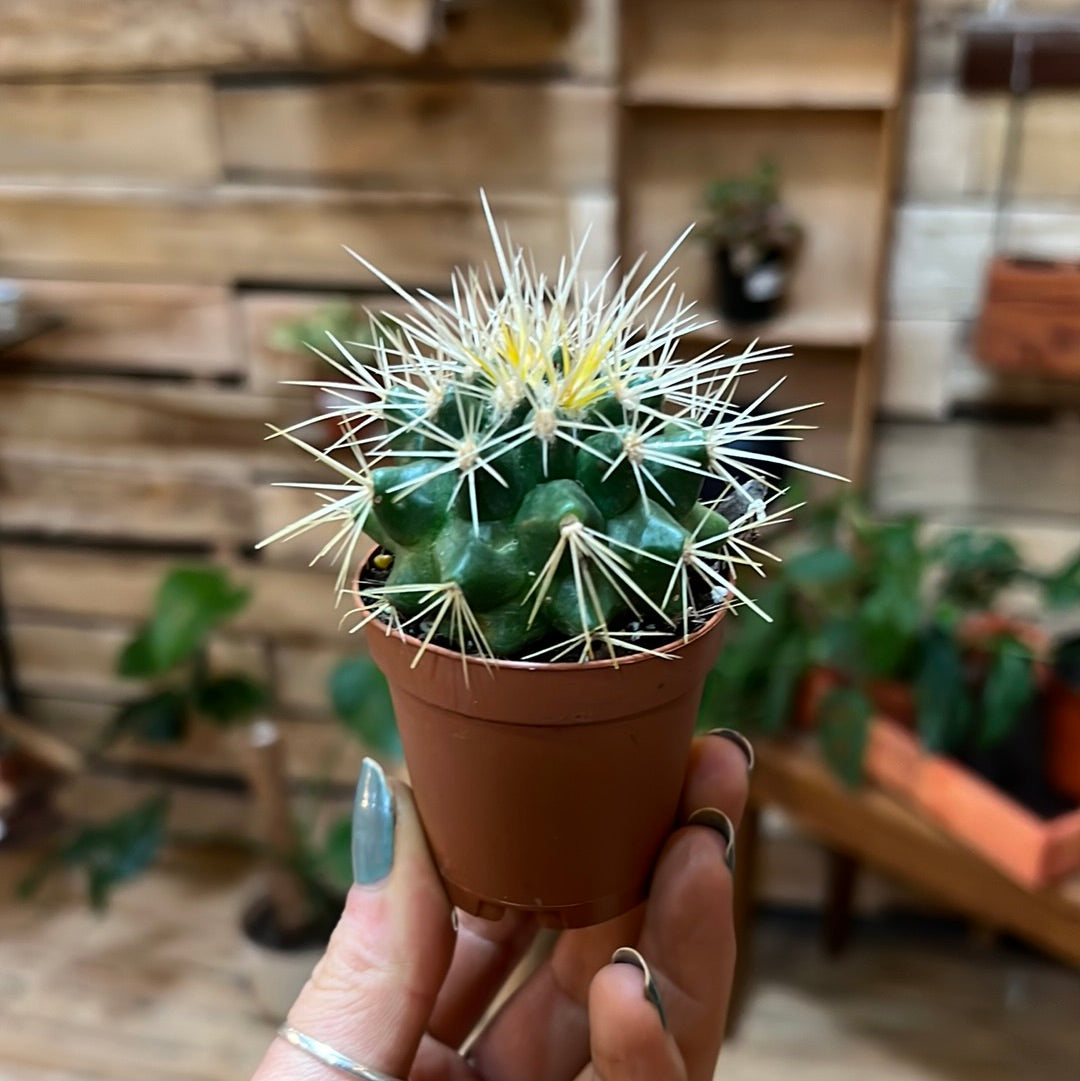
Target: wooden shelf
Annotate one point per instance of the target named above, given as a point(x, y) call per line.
point(768, 54)
point(829, 166)
point(825, 328)
point(879, 831)
point(687, 90)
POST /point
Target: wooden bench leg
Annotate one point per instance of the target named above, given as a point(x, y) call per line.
point(745, 886)
point(843, 878)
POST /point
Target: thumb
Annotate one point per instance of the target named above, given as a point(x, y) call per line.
point(371, 995)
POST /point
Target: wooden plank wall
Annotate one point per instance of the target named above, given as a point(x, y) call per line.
point(175, 179)
point(957, 442)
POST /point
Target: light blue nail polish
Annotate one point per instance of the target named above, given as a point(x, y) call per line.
point(372, 826)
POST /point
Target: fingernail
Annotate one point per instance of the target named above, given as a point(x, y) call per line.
point(372, 826)
point(625, 955)
point(740, 741)
point(717, 820)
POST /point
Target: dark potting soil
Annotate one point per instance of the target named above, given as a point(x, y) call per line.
point(1017, 765)
point(652, 632)
point(261, 927)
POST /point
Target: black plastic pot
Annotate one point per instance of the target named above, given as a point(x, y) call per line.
point(750, 294)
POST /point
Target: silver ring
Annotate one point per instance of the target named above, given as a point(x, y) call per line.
point(325, 1054)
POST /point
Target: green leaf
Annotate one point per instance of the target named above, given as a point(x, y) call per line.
point(945, 712)
point(820, 567)
point(158, 718)
point(887, 626)
point(734, 686)
point(789, 665)
point(978, 566)
point(190, 604)
point(361, 698)
point(230, 699)
point(843, 731)
point(108, 853)
point(136, 660)
point(1062, 588)
point(1008, 691)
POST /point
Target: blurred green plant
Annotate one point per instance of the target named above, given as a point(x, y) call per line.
point(746, 214)
point(309, 332)
point(869, 602)
point(170, 650)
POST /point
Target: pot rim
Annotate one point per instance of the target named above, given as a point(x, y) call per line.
point(533, 666)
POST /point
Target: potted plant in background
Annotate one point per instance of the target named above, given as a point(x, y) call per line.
point(340, 320)
point(1063, 720)
point(895, 651)
point(547, 588)
point(754, 242)
point(301, 838)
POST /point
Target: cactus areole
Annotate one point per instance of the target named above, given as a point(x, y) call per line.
point(529, 455)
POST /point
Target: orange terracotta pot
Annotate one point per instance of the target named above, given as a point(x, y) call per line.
point(890, 697)
point(1030, 851)
point(1063, 737)
point(546, 787)
point(893, 758)
point(814, 687)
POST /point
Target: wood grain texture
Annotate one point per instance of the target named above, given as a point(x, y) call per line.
point(259, 233)
point(161, 130)
point(127, 497)
point(455, 136)
point(192, 423)
point(262, 312)
point(277, 506)
point(761, 53)
point(51, 37)
point(289, 604)
point(829, 165)
point(824, 376)
point(133, 327)
point(878, 831)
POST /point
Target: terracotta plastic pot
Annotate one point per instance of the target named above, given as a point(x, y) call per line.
point(546, 787)
point(1063, 732)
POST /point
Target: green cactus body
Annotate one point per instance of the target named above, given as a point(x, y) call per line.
point(410, 501)
point(531, 456)
point(486, 561)
point(652, 542)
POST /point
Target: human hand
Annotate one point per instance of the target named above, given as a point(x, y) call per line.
point(399, 990)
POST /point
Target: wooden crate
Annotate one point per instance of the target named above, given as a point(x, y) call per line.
point(389, 135)
point(157, 329)
point(39, 37)
point(753, 53)
point(829, 164)
point(263, 233)
point(160, 131)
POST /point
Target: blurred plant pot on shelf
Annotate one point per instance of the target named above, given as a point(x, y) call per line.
point(891, 698)
point(277, 963)
point(753, 242)
point(1030, 320)
point(26, 796)
point(751, 284)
